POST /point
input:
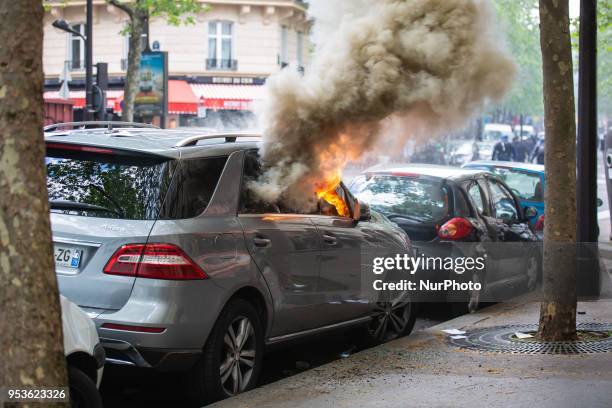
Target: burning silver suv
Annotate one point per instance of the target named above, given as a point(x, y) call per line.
point(160, 241)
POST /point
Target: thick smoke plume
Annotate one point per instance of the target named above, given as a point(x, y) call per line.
point(416, 65)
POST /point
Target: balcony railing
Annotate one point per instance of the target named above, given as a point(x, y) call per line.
point(221, 64)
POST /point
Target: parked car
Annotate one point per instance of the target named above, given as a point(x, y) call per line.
point(447, 210)
point(491, 135)
point(162, 242)
point(84, 356)
point(526, 181)
point(460, 152)
point(527, 132)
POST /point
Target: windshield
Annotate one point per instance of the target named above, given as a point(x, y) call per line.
point(526, 185)
point(106, 186)
point(492, 135)
point(416, 198)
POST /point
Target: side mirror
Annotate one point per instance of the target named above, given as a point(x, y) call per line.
point(365, 214)
point(530, 212)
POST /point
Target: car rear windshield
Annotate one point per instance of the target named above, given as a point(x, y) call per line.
point(417, 198)
point(106, 185)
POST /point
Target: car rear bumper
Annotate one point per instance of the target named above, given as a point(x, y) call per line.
point(164, 324)
point(120, 352)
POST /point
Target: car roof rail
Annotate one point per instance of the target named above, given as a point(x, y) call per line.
point(229, 138)
point(93, 124)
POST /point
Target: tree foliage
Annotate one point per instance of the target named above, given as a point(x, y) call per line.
point(175, 12)
point(139, 12)
point(520, 26)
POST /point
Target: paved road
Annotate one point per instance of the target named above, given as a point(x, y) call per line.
point(134, 388)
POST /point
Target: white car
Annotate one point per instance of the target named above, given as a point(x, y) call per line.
point(84, 356)
point(492, 133)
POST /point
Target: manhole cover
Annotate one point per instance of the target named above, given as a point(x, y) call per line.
point(501, 339)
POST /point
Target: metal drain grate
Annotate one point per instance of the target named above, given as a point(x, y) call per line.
point(501, 339)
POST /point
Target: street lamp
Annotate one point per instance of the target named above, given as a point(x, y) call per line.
point(87, 38)
point(64, 26)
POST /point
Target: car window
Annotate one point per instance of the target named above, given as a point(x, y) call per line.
point(192, 188)
point(107, 186)
point(462, 208)
point(249, 202)
point(419, 198)
point(526, 185)
point(504, 206)
point(477, 196)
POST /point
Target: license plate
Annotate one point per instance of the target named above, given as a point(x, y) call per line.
point(66, 257)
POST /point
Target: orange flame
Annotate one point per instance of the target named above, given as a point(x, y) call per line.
point(332, 159)
point(327, 191)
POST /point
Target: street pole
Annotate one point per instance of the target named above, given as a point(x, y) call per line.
point(588, 267)
point(89, 61)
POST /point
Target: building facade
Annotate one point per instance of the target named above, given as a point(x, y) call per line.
point(225, 56)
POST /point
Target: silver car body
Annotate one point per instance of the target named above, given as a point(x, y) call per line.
point(301, 283)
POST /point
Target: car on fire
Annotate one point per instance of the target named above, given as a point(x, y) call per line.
point(182, 268)
point(453, 212)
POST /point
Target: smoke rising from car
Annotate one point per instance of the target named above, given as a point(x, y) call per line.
point(403, 67)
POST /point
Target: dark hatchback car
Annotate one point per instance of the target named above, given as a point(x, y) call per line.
point(452, 212)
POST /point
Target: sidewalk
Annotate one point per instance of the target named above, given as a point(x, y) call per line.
point(424, 370)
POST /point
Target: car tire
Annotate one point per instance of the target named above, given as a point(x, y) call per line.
point(229, 364)
point(83, 391)
point(472, 299)
point(390, 320)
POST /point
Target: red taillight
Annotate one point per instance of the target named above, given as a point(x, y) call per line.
point(127, 327)
point(539, 225)
point(455, 228)
point(153, 261)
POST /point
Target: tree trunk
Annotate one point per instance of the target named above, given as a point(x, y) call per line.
point(133, 70)
point(558, 309)
point(31, 340)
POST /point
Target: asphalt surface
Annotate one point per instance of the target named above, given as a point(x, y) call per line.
point(426, 370)
point(134, 388)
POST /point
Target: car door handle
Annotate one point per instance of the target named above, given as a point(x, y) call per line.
point(261, 242)
point(328, 239)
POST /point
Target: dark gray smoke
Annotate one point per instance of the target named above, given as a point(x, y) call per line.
point(417, 65)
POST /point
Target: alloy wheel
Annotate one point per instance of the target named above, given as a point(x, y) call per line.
point(390, 319)
point(238, 356)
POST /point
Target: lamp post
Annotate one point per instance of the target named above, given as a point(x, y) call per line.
point(87, 38)
point(588, 278)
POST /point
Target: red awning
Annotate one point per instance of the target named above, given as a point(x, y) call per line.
point(228, 97)
point(77, 98)
point(181, 99)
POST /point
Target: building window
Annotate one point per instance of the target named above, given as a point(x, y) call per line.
point(220, 46)
point(300, 49)
point(126, 49)
point(77, 48)
point(284, 47)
